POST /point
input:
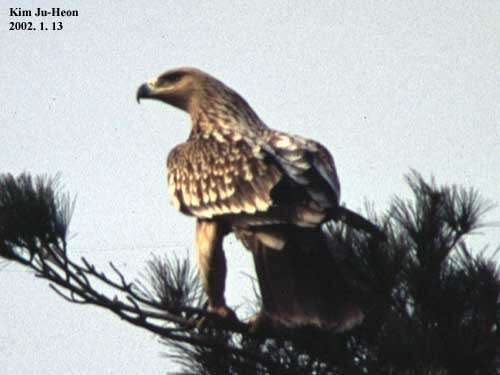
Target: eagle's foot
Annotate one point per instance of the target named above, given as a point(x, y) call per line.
point(221, 314)
point(259, 323)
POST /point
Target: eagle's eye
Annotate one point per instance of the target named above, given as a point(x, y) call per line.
point(170, 78)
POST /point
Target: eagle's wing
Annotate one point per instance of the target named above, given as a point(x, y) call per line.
point(236, 172)
point(231, 172)
point(308, 164)
point(220, 174)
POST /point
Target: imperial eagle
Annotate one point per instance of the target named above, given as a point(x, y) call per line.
point(272, 189)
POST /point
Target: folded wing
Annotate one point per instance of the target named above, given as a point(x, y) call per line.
point(272, 173)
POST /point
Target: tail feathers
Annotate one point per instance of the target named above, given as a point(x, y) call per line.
point(302, 284)
point(349, 316)
point(343, 317)
point(356, 221)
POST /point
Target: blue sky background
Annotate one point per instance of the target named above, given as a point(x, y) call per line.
point(386, 86)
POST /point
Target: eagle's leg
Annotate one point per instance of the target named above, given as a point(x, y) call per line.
point(212, 265)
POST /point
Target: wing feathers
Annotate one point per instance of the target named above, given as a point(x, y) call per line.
point(224, 174)
point(210, 176)
point(307, 163)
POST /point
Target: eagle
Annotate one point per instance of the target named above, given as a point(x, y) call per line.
point(273, 190)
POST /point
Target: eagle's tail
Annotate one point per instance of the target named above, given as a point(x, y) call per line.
point(354, 220)
point(303, 284)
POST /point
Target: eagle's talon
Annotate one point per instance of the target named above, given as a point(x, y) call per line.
point(223, 314)
point(203, 323)
point(259, 323)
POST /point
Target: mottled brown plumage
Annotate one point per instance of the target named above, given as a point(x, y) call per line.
point(235, 174)
point(214, 174)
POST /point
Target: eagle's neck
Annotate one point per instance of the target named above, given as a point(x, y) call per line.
point(218, 106)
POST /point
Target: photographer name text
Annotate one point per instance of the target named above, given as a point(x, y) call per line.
point(22, 18)
point(40, 12)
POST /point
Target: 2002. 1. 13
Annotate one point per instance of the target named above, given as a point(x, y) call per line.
point(28, 25)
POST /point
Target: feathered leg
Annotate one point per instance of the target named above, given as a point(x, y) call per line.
point(212, 265)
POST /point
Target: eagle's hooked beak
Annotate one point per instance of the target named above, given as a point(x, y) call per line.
point(143, 92)
point(153, 90)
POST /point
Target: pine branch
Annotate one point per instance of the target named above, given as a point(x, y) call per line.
point(430, 304)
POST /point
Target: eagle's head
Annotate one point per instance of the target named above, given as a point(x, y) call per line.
point(208, 101)
point(178, 87)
